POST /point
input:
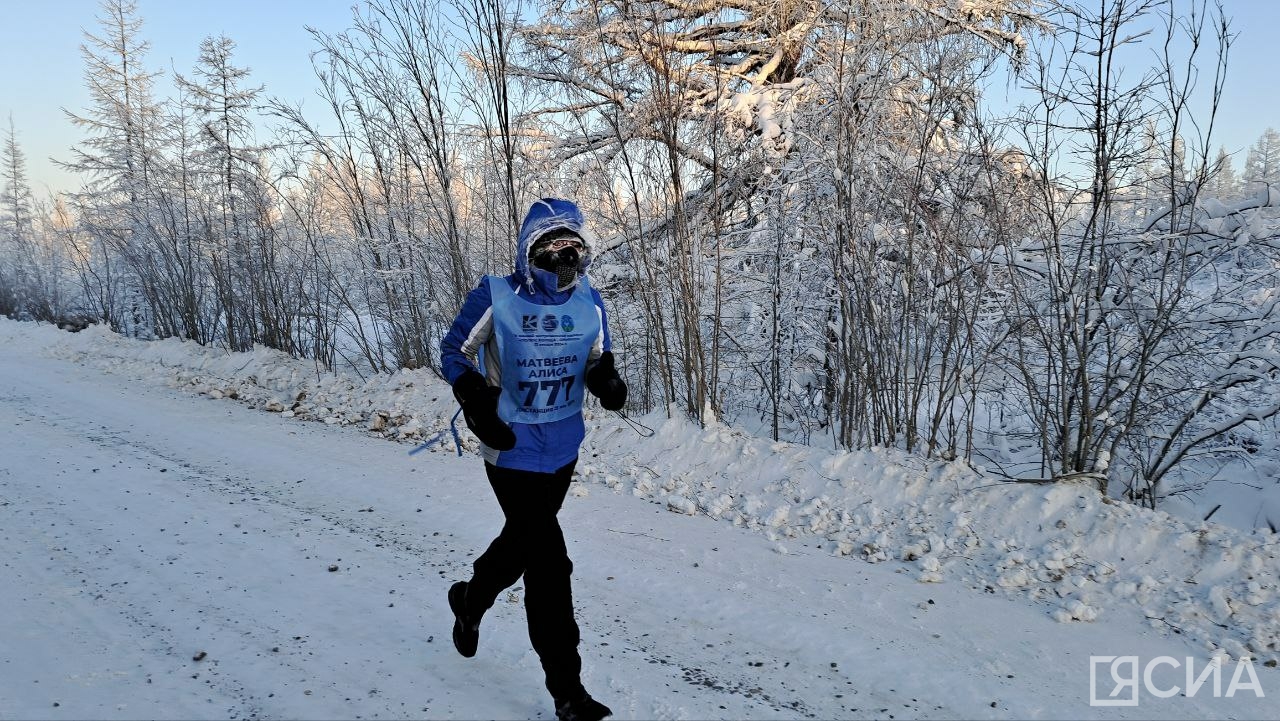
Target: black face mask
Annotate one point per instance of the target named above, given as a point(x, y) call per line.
point(563, 262)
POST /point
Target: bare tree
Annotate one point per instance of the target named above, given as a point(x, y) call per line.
point(1137, 336)
point(395, 165)
point(487, 28)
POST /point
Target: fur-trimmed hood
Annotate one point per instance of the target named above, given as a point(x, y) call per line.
point(544, 216)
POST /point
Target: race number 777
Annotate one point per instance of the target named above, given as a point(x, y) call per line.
point(552, 387)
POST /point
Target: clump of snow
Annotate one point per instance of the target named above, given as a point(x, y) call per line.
point(1064, 547)
point(680, 504)
point(1075, 610)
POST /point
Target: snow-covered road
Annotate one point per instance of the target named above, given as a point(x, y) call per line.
point(143, 527)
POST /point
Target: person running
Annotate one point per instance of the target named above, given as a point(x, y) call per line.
point(519, 356)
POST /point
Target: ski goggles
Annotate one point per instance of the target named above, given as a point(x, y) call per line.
point(565, 241)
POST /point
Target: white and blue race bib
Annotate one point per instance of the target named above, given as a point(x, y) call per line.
point(543, 351)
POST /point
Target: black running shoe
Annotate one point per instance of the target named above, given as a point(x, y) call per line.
point(582, 709)
point(466, 630)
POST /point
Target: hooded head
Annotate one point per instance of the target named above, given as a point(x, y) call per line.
point(547, 219)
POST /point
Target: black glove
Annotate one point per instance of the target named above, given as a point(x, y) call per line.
point(479, 402)
point(604, 383)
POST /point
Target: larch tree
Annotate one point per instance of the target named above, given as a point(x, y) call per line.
point(1223, 182)
point(226, 163)
point(17, 231)
point(119, 158)
point(1262, 164)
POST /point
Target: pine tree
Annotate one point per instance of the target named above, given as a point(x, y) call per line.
point(31, 286)
point(16, 230)
point(1263, 162)
point(17, 198)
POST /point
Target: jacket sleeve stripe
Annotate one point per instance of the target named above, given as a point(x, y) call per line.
point(479, 334)
point(470, 330)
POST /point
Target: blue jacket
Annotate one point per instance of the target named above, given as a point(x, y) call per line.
point(541, 447)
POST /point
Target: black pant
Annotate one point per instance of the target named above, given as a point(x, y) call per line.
point(531, 544)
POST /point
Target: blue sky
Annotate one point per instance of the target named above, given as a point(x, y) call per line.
point(41, 69)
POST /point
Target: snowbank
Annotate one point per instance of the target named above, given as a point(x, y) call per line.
point(1064, 547)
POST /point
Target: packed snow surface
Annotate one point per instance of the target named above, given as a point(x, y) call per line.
point(181, 544)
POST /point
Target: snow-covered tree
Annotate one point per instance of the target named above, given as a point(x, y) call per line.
point(1141, 328)
point(714, 118)
point(1262, 164)
point(224, 165)
point(31, 261)
point(119, 159)
point(626, 69)
point(396, 169)
point(17, 231)
point(1224, 182)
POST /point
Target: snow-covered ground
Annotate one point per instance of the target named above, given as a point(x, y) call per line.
point(152, 513)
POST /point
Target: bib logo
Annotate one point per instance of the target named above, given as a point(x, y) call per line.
point(530, 322)
point(566, 323)
point(549, 322)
